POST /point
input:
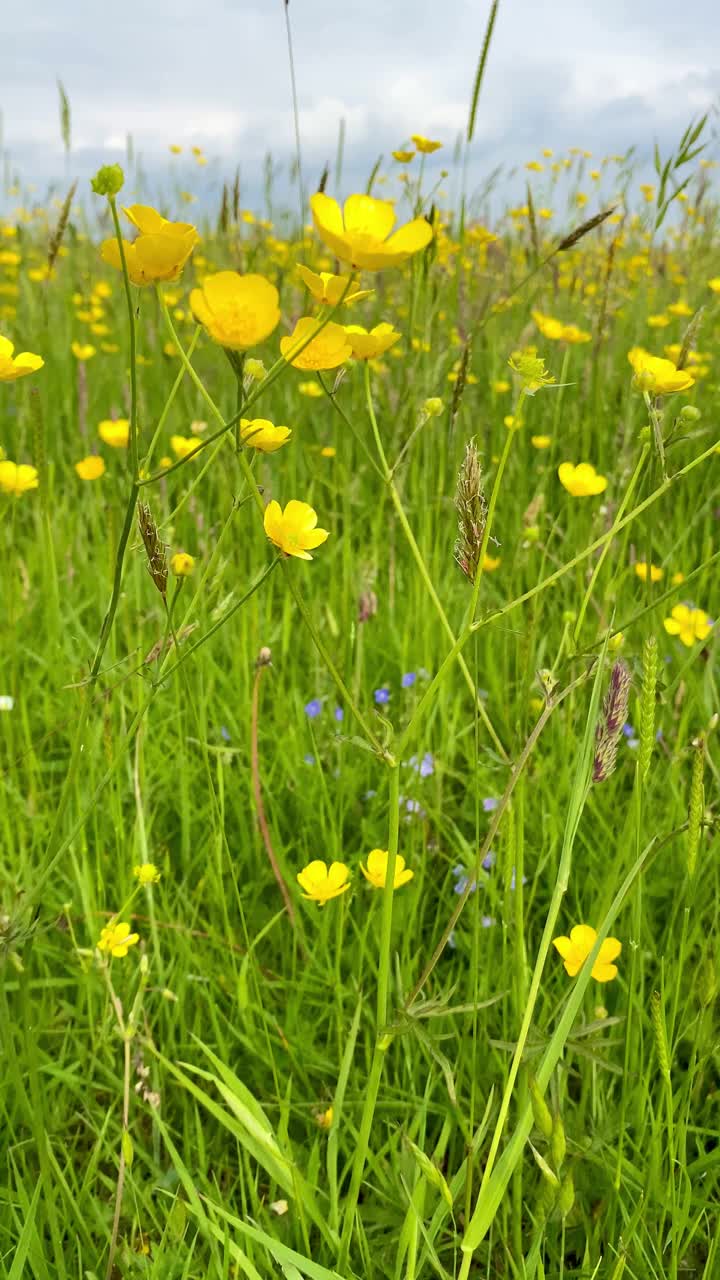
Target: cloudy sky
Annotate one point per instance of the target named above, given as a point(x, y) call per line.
point(601, 74)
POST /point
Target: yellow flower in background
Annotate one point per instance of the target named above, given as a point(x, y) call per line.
point(183, 446)
point(403, 157)
point(329, 347)
point(714, 284)
point(17, 479)
point(491, 563)
point(14, 367)
point(548, 326)
point(146, 873)
point(311, 389)
point(500, 386)
point(425, 146)
point(689, 625)
point(366, 345)
point(117, 938)
point(541, 442)
point(294, 529)
point(582, 481)
point(182, 564)
point(658, 321)
point(82, 350)
point(116, 432)
point(329, 288)
point(433, 406)
point(557, 331)
point(328, 451)
point(262, 434)
point(160, 251)
point(324, 1119)
point(238, 311)
point(376, 870)
point(657, 376)
point(322, 883)
point(680, 309)
point(360, 234)
point(90, 468)
point(175, 149)
point(653, 571)
point(576, 949)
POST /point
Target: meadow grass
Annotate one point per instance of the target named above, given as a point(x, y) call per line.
point(397, 1084)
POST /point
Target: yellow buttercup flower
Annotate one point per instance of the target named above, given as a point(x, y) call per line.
point(117, 938)
point(403, 157)
point(182, 564)
point(688, 624)
point(17, 479)
point(14, 367)
point(714, 284)
point(531, 370)
point(366, 345)
point(116, 432)
point(425, 146)
point(294, 529)
point(657, 376)
point(91, 468)
point(582, 481)
point(576, 949)
point(360, 234)
point(557, 331)
point(183, 446)
point(652, 571)
point(541, 442)
point(376, 869)
point(146, 873)
point(238, 311)
point(680, 309)
point(262, 434)
point(324, 1119)
point(329, 288)
point(491, 563)
point(160, 251)
point(322, 883)
point(328, 348)
point(82, 350)
point(311, 389)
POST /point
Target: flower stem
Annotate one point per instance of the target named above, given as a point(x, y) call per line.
point(383, 1039)
point(423, 569)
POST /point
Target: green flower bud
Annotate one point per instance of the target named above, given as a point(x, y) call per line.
point(532, 533)
point(557, 1142)
point(689, 413)
point(108, 180)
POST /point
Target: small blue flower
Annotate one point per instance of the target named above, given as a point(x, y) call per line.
point(408, 680)
point(309, 759)
point(513, 881)
point(382, 696)
point(628, 730)
point(224, 733)
point(490, 804)
point(313, 708)
point(452, 941)
point(427, 766)
point(487, 922)
point(488, 861)
point(339, 714)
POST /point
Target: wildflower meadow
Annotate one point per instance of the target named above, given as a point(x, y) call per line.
point(358, 722)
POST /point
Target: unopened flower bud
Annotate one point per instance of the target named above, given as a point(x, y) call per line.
point(689, 413)
point(108, 180)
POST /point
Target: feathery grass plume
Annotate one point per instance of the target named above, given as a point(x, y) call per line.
point(59, 232)
point(236, 196)
point(660, 1032)
point(461, 381)
point(696, 807)
point(532, 222)
point(647, 706)
point(65, 124)
point(471, 508)
point(481, 70)
point(224, 215)
point(154, 548)
point(572, 238)
point(689, 337)
point(610, 725)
